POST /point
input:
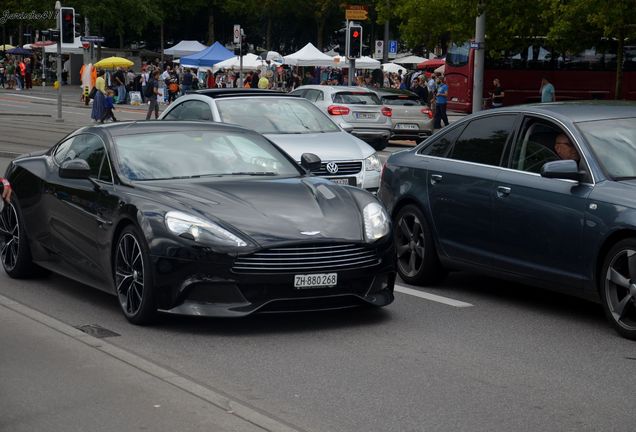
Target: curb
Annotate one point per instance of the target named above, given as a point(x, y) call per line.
point(231, 406)
point(24, 114)
point(9, 155)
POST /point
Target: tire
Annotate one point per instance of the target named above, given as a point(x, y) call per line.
point(133, 277)
point(14, 246)
point(617, 287)
point(417, 259)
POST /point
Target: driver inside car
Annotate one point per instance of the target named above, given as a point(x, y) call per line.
point(565, 149)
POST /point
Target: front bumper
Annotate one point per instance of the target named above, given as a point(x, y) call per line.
point(371, 135)
point(208, 286)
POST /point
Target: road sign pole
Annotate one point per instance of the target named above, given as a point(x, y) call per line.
point(478, 74)
point(59, 118)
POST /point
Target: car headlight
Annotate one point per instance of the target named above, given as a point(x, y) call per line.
point(376, 222)
point(200, 229)
point(372, 163)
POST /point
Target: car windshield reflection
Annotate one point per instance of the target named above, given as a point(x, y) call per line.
point(614, 143)
point(180, 155)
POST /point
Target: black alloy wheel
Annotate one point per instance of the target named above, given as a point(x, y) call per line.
point(133, 279)
point(618, 287)
point(14, 248)
point(417, 258)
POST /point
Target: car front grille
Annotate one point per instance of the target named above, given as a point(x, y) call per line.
point(344, 168)
point(310, 258)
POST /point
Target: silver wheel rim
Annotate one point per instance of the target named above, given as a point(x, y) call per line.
point(620, 289)
point(410, 245)
point(129, 274)
point(9, 237)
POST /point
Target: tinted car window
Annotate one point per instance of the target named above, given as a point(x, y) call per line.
point(484, 139)
point(441, 146)
point(195, 110)
point(404, 100)
point(314, 95)
point(173, 114)
point(85, 146)
point(535, 146)
point(356, 98)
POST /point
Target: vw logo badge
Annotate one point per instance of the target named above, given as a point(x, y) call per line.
point(332, 167)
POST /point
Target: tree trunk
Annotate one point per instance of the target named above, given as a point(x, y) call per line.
point(121, 39)
point(161, 41)
point(321, 32)
point(268, 37)
point(20, 35)
point(619, 65)
point(211, 26)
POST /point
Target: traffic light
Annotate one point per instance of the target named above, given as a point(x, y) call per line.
point(67, 25)
point(340, 39)
point(354, 41)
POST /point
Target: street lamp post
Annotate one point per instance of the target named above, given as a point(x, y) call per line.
point(59, 118)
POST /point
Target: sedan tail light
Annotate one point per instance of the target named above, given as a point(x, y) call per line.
point(338, 110)
point(428, 112)
point(387, 111)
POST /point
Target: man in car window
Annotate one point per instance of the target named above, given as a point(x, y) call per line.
point(565, 149)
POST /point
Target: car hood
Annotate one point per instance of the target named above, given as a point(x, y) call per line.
point(270, 210)
point(328, 146)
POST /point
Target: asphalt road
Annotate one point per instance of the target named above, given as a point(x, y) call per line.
point(508, 358)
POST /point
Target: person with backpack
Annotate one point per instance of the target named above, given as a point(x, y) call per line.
point(152, 90)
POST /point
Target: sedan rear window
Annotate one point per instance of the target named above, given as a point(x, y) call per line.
point(356, 98)
point(403, 100)
point(614, 143)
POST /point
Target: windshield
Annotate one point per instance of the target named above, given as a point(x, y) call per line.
point(190, 154)
point(614, 143)
point(272, 115)
point(404, 100)
point(356, 98)
point(458, 54)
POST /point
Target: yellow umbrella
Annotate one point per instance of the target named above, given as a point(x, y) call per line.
point(112, 63)
point(6, 47)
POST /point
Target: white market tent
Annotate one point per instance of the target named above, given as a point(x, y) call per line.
point(309, 55)
point(361, 63)
point(393, 68)
point(250, 62)
point(185, 48)
point(410, 59)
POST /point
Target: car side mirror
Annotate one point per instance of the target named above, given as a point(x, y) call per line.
point(75, 169)
point(561, 169)
point(310, 162)
point(347, 127)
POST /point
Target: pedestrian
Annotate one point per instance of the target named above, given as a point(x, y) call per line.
point(441, 99)
point(421, 90)
point(98, 100)
point(497, 94)
point(152, 90)
point(28, 71)
point(11, 75)
point(263, 82)
point(120, 83)
point(210, 81)
point(6, 189)
point(547, 91)
point(109, 106)
point(186, 82)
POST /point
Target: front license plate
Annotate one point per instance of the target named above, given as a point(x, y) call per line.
point(365, 116)
point(344, 181)
point(317, 280)
point(406, 126)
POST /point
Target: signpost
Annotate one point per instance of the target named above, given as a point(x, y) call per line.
point(93, 39)
point(357, 13)
point(58, 7)
point(379, 49)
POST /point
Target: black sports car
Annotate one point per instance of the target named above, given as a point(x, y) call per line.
point(195, 218)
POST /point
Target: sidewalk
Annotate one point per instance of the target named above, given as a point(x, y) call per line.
point(57, 378)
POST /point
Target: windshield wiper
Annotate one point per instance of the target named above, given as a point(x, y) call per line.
point(253, 173)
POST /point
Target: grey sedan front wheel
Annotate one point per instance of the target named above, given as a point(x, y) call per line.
point(618, 287)
point(417, 258)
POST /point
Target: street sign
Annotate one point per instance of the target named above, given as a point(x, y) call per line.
point(93, 39)
point(356, 12)
point(356, 15)
point(393, 48)
point(477, 45)
point(379, 49)
point(237, 33)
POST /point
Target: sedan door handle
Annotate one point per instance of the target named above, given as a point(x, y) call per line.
point(503, 191)
point(436, 178)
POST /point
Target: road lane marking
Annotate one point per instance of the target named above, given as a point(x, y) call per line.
point(431, 297)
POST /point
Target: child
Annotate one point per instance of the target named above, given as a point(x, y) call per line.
point(109, 106)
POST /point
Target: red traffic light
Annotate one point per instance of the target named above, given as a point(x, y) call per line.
point(356, 34)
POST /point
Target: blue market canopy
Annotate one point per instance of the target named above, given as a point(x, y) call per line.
point(208, 57)
point(19, 51)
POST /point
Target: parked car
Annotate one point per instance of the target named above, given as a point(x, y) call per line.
point(195, 218)
point(292, 123)
point(411, 118)
point(357, 109)
point(544, 194)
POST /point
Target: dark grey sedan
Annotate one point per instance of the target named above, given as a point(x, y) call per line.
point(544, 194)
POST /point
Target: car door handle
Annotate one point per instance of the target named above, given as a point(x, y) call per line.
point(503, 191)
point(436, 178)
